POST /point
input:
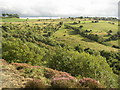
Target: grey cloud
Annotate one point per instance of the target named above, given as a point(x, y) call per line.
point(60, 7)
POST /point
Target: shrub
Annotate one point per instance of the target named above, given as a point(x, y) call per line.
point(81, 26)
point(91, 51)
point(35, 83)
point(60, 23)
point(50, 73)
point(64, 82)
point(79, 48)
point(91, 83)
point(17, 51)
point(79, 21)
point(34, 73)
point(64, 74)
point(75, 23)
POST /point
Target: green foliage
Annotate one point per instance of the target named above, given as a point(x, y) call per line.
point(34, 72)
point(17, 51)
point(115, 36)
point(79, 48)
point(83, 64)
point(60, 23)
point(95, 21)
point(112, 59)
point(92, 52)
point(75, 23)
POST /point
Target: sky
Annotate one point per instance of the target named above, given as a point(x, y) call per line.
point(61, 8)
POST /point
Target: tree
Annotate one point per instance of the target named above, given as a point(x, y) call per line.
point(75, 23)
point(49, 33)
point(109, 32)
point(81, 26)
point(60, 23)
point(16, 15)
point(3, 14)
point(79, 48)
point(79, 21)
point(9, 15)
point(81, 17)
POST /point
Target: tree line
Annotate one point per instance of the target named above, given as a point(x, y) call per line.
point(10, 15)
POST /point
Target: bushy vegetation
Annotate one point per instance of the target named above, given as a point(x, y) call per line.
point(91, 83)
point(17, 51)
point(82, 64)
point(40, 44)
point(35, 84)
point(64, 82)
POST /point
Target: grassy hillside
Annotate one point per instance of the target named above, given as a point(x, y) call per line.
point(100, 28)
point(72, 39)
point(21, 75)
point(65, 45)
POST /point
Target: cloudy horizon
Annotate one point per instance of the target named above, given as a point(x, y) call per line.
point(61, 8)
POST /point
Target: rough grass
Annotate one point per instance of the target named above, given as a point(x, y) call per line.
point(19, 20)
point(13, 20)
point(114, 42)
point(101, 27)
point(73, 39)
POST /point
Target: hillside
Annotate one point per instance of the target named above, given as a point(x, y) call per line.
point(19, 75)
point(84, 48)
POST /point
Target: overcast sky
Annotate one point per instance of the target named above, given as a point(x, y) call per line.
point(61, 7)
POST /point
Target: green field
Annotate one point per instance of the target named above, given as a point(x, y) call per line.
point(75, 40)
point(101, 28)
